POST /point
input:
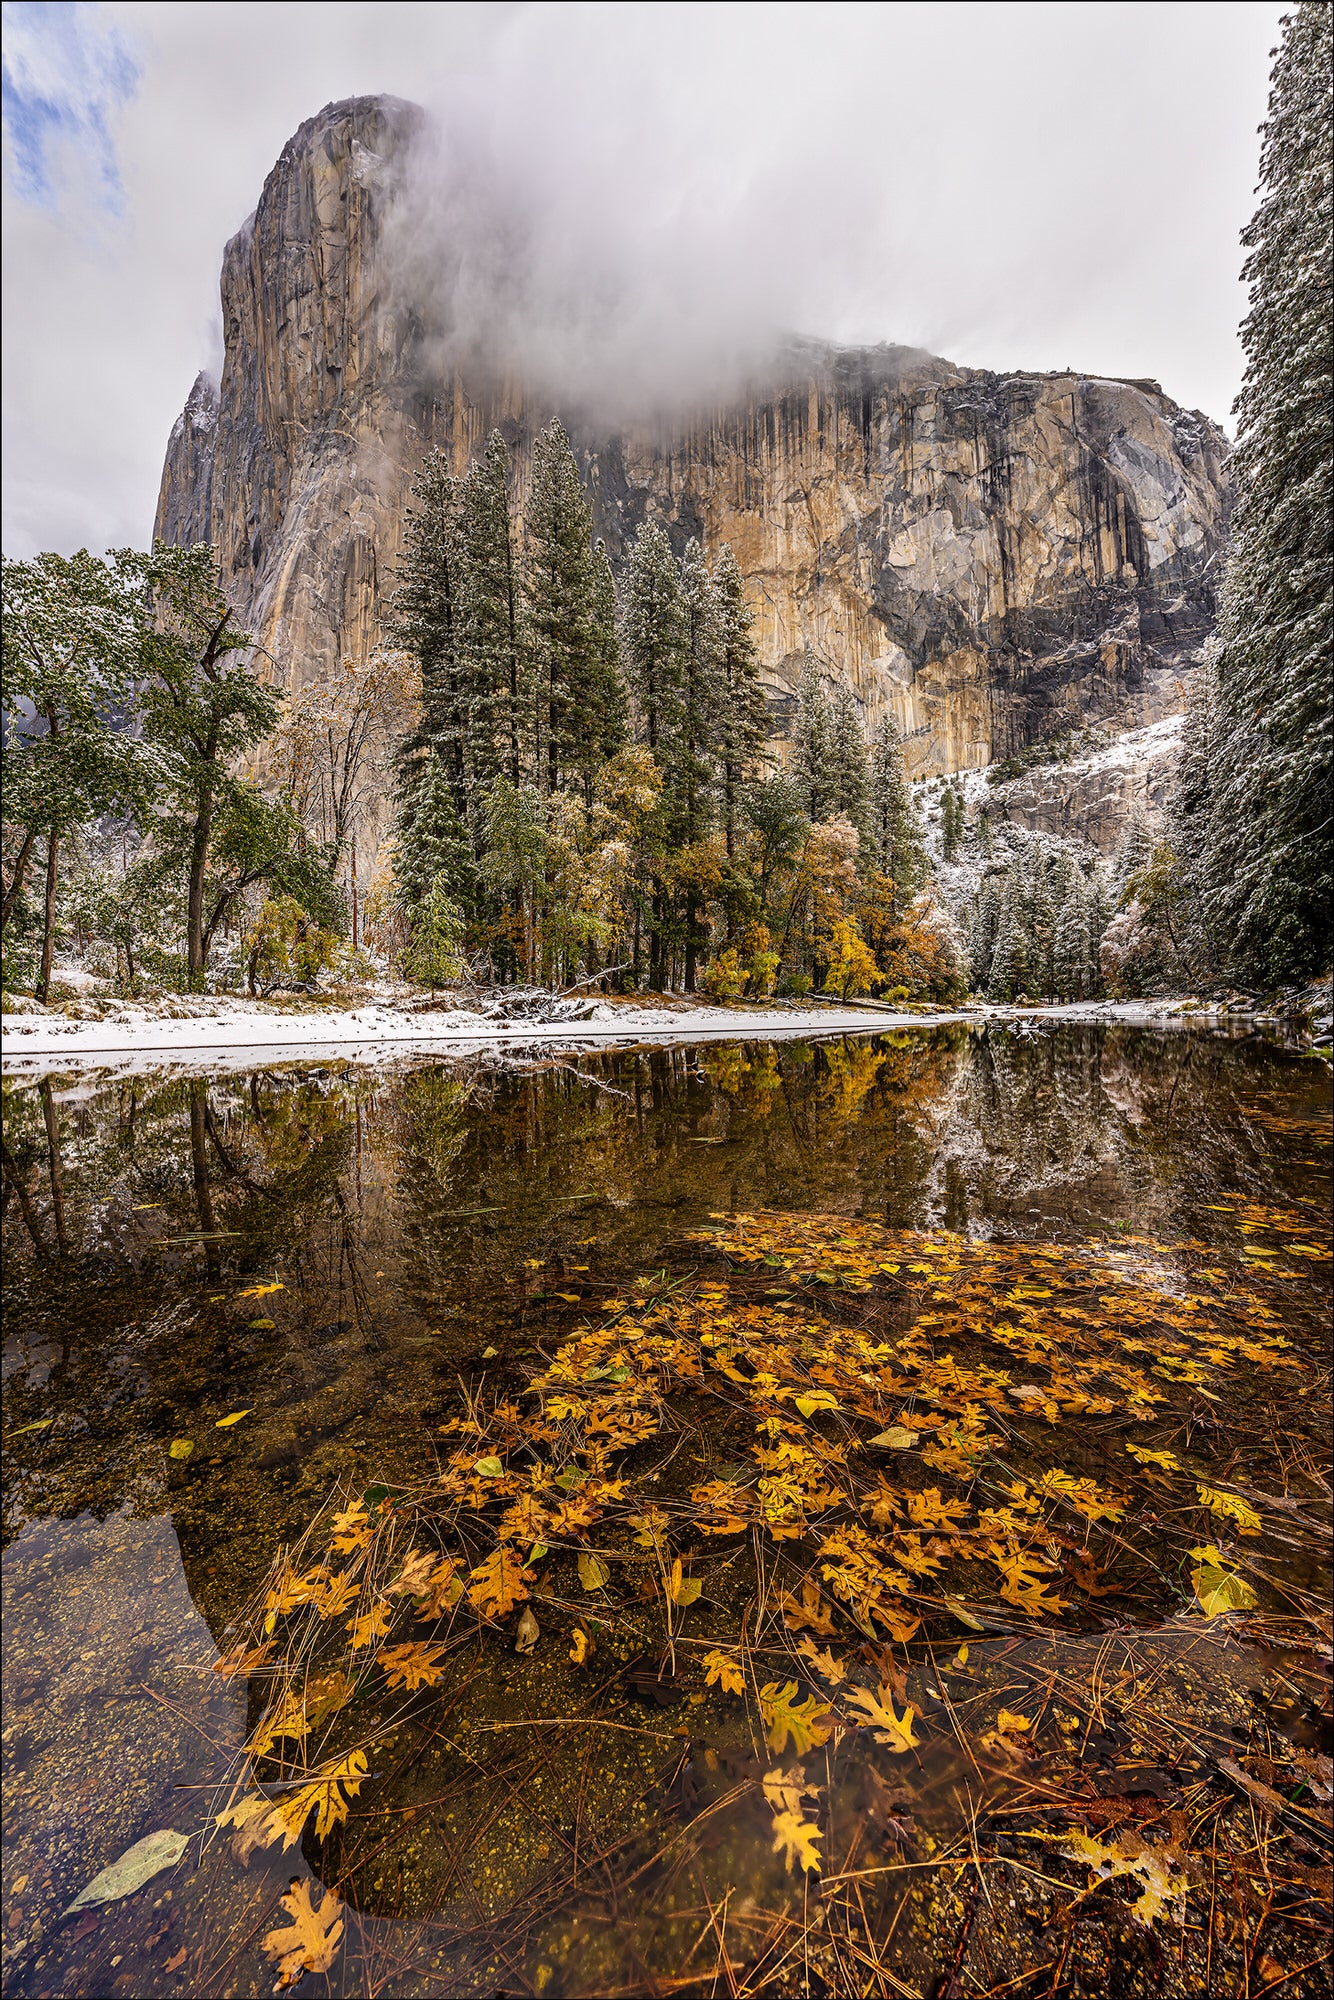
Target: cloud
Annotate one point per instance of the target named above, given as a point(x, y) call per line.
point(66, 72)
point(634, 199)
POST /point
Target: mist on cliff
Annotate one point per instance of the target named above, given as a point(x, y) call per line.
point(630, 209)
point(626, 204)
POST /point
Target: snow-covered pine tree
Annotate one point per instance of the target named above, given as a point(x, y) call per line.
point(565, 602)
point(952, 823)
point(489, 640)
point(1009, 959)
point(1190, 825)
point(813, 747)
point(1271, 848)
point(1041, 923)
point(983, 922)
point(1071, 944)
point(848, 760)
point(654, 634)
point(1133, 851)
point(433, 844)
point(743, 721)
point(423, 621)
point(894, 832)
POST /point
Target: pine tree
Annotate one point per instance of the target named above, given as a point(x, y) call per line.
point(1071, 946)
point(848, 759)
point(1190, 823)
point(423, 621)
point(434, 844)
point(742, 718)
point(894, 831)
point(489, 640)
point(689, 760)
point(573, 682)
point(654, 634)
point(1041, 924)
point(813, 747)
point(983, 924)
point(952, 823)
point(1271, 838)
point(1133, 850)
point(1009, 959)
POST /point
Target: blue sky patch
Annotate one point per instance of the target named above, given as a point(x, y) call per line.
point(66, 69)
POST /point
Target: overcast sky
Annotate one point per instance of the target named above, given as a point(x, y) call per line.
point(1034, 186)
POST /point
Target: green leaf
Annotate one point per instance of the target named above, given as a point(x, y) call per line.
point(489, 1468)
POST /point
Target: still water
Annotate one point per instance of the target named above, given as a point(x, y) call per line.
point(338, 1260)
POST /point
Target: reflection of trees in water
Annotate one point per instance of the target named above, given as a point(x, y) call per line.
point(1096, 1125)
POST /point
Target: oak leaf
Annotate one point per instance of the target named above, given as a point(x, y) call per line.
point(724, 1671)
point(369, 1627)
point(807, 1613)
point(351, 1529)
point(414, 1579)
point(795, 1839)
point(892, 1729)
point(336, 1593)
point(329, 1796)
point(413, 1665)
point(499, 1583)
point(783, 1716)
point(826, 1664)
point(310, 1942)
point(1230, 1506)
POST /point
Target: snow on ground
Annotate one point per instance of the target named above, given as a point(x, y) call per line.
point(230, 1034)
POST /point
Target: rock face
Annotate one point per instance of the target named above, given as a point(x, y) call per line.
point(999, 558)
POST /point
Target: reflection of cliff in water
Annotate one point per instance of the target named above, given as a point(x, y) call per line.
point(415, 1222)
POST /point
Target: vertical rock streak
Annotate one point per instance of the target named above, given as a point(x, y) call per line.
point(997, 558)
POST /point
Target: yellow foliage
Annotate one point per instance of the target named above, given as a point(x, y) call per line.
point(310, 1942)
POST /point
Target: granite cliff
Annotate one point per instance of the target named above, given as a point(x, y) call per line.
point(1000, 558)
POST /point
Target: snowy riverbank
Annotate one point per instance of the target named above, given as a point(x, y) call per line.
point(227, 1033)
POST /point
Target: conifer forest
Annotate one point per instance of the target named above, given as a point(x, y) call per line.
point(666, 1076)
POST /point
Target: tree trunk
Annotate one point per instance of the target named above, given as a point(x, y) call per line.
point(196, 956)
point(354, 888)
point(48, 918)
point(55, 1167)
point(15, 889)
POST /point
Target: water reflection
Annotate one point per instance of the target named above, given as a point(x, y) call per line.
point(398, 1236)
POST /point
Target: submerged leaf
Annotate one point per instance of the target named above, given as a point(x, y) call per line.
point(137, 1865)
point(413, 1665)
point(310, 1942)
point(499, 1583)
point(891, 1729)
point(722, 1670)
point(784, 1716)
point(795, 1839)
point(180, 1447)
point(225, 1423)
point(593, 1572)
point(1230, 1506)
